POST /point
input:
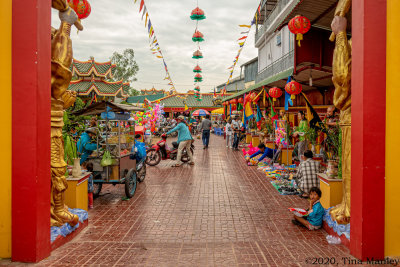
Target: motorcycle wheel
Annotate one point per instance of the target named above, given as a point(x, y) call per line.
point(185, 157)
point(153, 157)
point(130, 183)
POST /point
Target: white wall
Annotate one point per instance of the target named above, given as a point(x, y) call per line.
point(269, 51)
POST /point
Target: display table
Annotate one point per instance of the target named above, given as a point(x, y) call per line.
point(331, 189)
point(248, 138)
point(255, 140)
point(76, 195)
point(270, 144)
point(286, 156)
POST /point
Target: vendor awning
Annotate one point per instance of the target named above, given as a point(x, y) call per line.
point(218, 111)
point(100, 107)
point(283, 75)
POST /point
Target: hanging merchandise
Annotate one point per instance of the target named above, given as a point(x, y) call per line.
point(197, 69)
point(197, 54)
point(197, 14)
point(293, 88)
point(299, 25)
point(197, 37)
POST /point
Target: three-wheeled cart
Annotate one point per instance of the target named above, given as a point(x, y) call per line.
point(117, 136)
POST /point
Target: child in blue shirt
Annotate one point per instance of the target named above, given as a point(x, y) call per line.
point(313, 219)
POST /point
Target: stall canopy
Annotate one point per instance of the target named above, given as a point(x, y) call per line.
point(200, 112)
point(100, 107)
point(218, 111)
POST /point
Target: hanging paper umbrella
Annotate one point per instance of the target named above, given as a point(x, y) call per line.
point(197, 14)
point(299, 25)
point(197, 69)
point(200, 112)
point(198, 78)
point(197, 54)
point(197, 37)
point(81, 7)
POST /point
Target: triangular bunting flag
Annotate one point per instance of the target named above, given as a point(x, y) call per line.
point(244, 37)
point(141, 5)
point(246, 26)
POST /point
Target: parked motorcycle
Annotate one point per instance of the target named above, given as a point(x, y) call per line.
point(160, 151)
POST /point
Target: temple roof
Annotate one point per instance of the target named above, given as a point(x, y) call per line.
point(152, 91)
point(177, 101)
point(102, 88)
point(141, 98)
point(87, 68)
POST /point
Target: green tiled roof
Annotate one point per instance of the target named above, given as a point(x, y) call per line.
point(102, 88)
point(84, 68)
point(175, 101)
point(140, 98)
point(277, 77)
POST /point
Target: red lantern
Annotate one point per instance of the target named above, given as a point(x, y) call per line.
point(299, 25)
point(197, 37)
point(275, 93)
point(293, 88)
point(240, 100)
point(234, 101)
point(81, 7)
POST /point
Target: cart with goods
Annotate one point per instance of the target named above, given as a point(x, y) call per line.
point(113, 162)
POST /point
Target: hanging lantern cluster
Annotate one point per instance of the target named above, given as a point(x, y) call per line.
point(275, 93)
point(299, 25)
point(82, 8)
point(197, 69)
point(293, 88)
point(197, 14)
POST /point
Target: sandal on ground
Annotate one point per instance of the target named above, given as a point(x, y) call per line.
point(191, 163)
point(304, 196)
point(176, 165)
point(295, 222)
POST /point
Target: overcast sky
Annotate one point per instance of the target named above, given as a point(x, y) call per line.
point(116, 25)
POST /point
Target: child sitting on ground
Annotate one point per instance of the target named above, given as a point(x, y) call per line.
point(315, 214)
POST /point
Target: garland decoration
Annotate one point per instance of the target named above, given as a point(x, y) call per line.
point(197, 15)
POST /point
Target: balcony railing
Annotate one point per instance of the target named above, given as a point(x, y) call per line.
point(271, 17)
point(282, 64)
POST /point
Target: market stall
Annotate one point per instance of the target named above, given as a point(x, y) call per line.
point(111, 161)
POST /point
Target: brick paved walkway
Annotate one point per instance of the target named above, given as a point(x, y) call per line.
point(219, 212)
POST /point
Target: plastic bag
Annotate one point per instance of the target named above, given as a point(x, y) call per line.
point(106, 160)
point(333, 240)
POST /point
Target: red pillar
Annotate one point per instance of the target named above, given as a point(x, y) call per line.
point(31, 130)
point(368, 128)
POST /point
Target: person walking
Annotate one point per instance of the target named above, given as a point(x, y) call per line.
point(229, 133)
point(184, 140)
point(205, 127)
point(236, 133)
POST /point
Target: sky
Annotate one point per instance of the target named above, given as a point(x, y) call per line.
point(117, 25)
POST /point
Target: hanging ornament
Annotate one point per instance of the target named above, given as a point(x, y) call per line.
point(293, 88)
point(198, 78)
point(197, 54)
point(275, 93)
point(299, 25)
point(197, 14)
point(197, 69)
point(197, 37)
point(82, 8)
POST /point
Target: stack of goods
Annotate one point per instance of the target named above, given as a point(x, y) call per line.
point(285, 185)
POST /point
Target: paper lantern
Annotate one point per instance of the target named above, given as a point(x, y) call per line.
point(240, 100)
point(197, 14)
point(197, 54)
point(293, 88)
point(197, 88)
point(198, 78)
point(275, 93)
point(233, 102)
point(197, 37)
point(81, 7)
point(197, 69)
point(299, 25)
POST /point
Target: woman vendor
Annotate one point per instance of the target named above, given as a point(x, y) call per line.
point(300, 133)
point(85, 144)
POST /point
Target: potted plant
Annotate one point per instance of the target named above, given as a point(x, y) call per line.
point(311, 136)
point(333, 145)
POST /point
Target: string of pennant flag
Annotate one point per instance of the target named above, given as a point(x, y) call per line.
point(241, 42)
point(153, 41)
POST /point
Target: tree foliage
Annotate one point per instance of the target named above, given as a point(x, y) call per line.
point(126, 69)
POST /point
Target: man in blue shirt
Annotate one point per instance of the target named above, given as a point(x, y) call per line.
point(265, 151)
point(184, 140)
point(85, 145)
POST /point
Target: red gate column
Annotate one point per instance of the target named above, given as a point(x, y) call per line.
point(31, 129)
point(368, 128)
